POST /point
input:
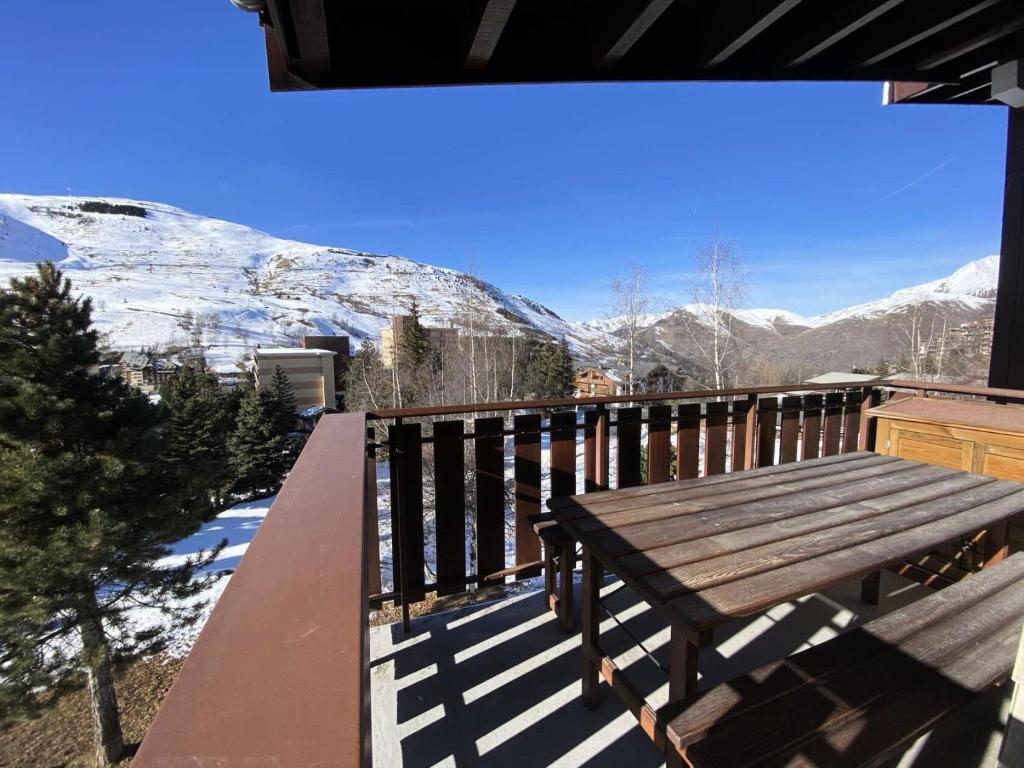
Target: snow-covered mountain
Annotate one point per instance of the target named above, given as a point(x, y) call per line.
point(971, 287)
point(856, 336)
point(154, 270)
point(151, 268)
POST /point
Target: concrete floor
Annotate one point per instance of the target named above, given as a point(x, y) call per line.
point(498, 684)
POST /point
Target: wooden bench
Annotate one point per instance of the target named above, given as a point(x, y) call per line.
point(863, 696)
point(560, 559)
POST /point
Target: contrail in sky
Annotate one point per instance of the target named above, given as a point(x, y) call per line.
point(910, 184)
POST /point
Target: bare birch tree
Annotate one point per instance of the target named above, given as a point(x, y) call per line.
point(917, 334)
point(631, 306)
point(718, 290)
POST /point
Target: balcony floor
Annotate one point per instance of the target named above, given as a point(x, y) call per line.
point(498, 684)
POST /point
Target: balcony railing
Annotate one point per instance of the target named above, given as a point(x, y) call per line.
point(280, 673)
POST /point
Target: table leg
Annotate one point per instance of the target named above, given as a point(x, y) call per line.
point(871, 588)
point(682, 665)
point(591, 627)
point(682, 680)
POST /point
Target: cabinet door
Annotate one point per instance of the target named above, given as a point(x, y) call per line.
point(931, 449)
point(1002, 461)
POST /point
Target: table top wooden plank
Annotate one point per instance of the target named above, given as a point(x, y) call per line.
point(789, 552)
point(691, 524)
point(596, 499)
point(726, 542)
point(751, 594)
point(660, 507)
point(709, 550)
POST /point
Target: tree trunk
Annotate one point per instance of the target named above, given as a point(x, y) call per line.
point(107, 734)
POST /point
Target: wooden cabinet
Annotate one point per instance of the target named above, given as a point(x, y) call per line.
point(974, 435)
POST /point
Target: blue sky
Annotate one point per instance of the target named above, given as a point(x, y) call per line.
point(548, 190)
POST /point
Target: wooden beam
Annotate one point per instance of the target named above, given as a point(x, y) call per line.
point(758, 27)
point(493, 19)
point(969, 91)
point(925, 34)
point(846, 30)
point(1006, 366)
point(310, 27)
point(971, 83)
point(904, 91)
point(965, 47)
point(280, 76)
point(649, 13)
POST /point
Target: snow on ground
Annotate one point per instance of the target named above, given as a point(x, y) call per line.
point(238, 525)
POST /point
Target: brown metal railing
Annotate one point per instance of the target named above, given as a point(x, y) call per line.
point(280, 673)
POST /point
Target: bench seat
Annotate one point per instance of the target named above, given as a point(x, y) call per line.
point(865, 695)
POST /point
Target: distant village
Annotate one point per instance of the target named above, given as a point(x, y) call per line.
point(316, 369)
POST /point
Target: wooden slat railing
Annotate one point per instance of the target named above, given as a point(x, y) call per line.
point(709, 433)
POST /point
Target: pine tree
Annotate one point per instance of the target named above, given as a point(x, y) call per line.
point(552, 370)
point(415, 346)
point(287, 415)
point(88, 505)
point(287, 410)
point(264, 445)
point(563, 374)
point(200, 422)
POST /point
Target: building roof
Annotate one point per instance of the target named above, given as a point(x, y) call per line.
point(138, 360)
point(841, 377)
point(294, 352)
point(948, 46)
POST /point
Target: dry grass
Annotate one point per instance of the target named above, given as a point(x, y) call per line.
point(62, 736)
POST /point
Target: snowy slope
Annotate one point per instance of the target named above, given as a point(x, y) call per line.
point(146, 267)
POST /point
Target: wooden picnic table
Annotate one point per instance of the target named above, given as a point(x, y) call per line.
point(704, 552)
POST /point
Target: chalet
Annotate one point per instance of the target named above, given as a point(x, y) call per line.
point(837, 377)
point(147, 371)
point(591, 382)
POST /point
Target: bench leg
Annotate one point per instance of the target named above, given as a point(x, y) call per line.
point(997, 545)
point(549, 574)
point(591, 628)
point(871, 588)
point(566, 562)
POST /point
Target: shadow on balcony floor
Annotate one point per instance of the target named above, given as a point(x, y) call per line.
point(498, 684)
